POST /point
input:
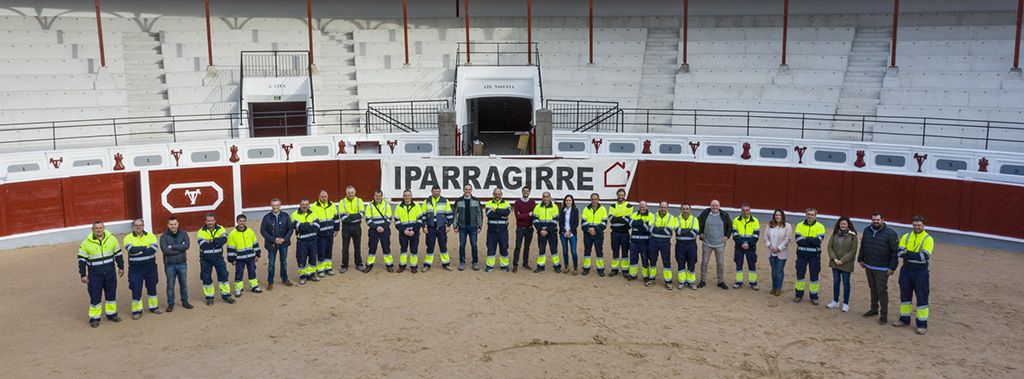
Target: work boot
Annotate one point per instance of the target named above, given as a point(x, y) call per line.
point(314, 278)
point(257, 290)
point(558, 269)
point(414, 269)
point(136, 316)
point(900, 323)
point(797, 299)
point(446, 266)
point(238, 293)
point(538, 269)
point(186, 305)
point(755, 287)
point(681, 286)
point(401, 269)
point(302, 281)
point(331, 272)
point(505, 269)
point(95, 323)
point(320, 274)
point(489, 269)
point(922, 331)
point(229, 300)
point(270, 286)
point(737, 285)
point(613, 273)
point(668, 286)
point(814, 302)
point(586, 271)
point(155, 311)
point(170, 308)
point(114, 318)
point(287, 283)
point(600, 273)
point(390, 268)
point(209, 301)
point(648, 282)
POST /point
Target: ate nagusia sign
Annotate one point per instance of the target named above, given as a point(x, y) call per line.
point(578, 177)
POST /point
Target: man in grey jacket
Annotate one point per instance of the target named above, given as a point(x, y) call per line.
point(174, 243)
point(468, 216)
point(715, 228)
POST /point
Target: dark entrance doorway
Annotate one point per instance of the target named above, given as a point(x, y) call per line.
point(278, 119)
point(501, 123)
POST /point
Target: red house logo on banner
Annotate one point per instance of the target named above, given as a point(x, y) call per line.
point(617, 175)
point(192, 197)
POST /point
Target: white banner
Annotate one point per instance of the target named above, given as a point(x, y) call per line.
point(577, 177)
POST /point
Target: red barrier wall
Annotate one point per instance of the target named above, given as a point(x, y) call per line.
point(964, 205)
point(949, 203)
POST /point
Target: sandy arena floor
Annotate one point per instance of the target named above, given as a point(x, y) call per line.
point(476, 324)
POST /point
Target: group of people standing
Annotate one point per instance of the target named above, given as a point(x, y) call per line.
point(638, 238)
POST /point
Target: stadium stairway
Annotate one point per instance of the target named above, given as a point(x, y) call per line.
point(862, 85)
point(335, 86)
point(658, 78)
point(146, 81)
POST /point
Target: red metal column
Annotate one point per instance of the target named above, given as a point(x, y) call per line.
point(99, 32)
point(309, 23)
point(529, 31)
point(405, 28)
point(686, 28)
point(209, 39)
point(785, 29)
point(590, 25)
point(1016, 46)
point(466, 16)
point(895, 27)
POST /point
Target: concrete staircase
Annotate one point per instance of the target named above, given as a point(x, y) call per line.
point(146, 80)
point(862, 85)
point(335, 84)
point(658, 78)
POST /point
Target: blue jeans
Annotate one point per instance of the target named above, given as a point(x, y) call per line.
point(179, 272)
point(274, 250)
point(471, 233)
point(569, 246)
point(778, 271)
point(837, 277)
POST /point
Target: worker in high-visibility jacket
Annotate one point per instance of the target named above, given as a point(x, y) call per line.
point(640, 223)
point(141, 248)
point(662, 228)
point(437, 222)
point(809, 235)
point(244, 252)
point(620, 213)
point(213, 240)
point(497, 210)
point(408, 221)
point(545, 215)
point(306, 227)
point(746, 231)
point(330, 223)
point(687, 230)
point(351, 209)
point(916, 249)
point(98, 254)
point(378, 223)
point(595, 220)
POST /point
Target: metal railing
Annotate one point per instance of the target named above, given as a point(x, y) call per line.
point(275, 64)
point(497, 54)
point(904, 130)
point(403, 116)
point(585, 116)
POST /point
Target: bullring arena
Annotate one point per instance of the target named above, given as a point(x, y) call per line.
point(124, 112)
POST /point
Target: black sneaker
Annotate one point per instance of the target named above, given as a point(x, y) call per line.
point(702, 284)
point(186, 305)
point(95, 322)
point(229, 300)
point(722, 286)
point(170, 308)
point(413, 269)
point(526, 266)
point(870, 313)
point(209, 301)
point(600, 273)
point(368, 269)
point(401, 269)
point(114, 318)
point(586, 271)
point(613, 273)
point(558, 269)
point(514, 269)
point(538, 269)
point(883, 320)
point(390, 268)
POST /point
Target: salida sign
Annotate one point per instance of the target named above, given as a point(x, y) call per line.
point(578, 177)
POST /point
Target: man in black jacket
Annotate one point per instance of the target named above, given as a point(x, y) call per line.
point(879, 247)
point(174, 243)
point(276, 230)
point(715, 227)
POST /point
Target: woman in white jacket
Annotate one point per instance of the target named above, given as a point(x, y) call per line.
point(779, 234)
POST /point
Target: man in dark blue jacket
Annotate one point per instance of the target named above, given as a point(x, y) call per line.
point(879, 249)
point(276, 230)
